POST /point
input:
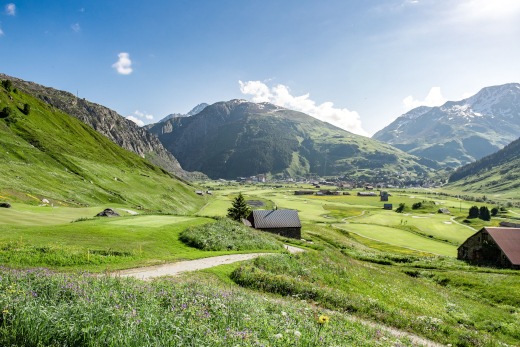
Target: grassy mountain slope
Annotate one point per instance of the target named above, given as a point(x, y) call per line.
point(49, 154)
point(497, 172)
point(239, 138)
point(105, 121)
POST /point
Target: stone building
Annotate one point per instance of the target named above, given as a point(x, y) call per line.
point(492, 246)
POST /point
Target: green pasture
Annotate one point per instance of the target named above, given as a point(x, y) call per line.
point(100, 244)
point(400, 238)
point(23, 214)
point(438, 226)
point(421, 229)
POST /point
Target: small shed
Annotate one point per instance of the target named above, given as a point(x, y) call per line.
point(282, 222)
point(492, 246)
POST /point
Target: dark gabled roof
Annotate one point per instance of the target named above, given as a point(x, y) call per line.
point(508, 239)
point(269, 219)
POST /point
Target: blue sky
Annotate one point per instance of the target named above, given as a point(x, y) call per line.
point(357, 64)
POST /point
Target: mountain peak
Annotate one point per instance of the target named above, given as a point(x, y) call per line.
point(459, 132)
point(192, 112)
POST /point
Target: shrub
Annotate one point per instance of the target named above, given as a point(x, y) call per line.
point(6, 112)
point(226, 234)
point(8, 85)
point(494, 211)
point(416, 205)
point(26, 109)
point(401, 208)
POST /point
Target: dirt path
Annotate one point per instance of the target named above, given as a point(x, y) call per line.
point(150, 272)
point(467, 226)
point(172, 269)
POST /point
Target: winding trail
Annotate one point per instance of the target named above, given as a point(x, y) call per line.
point(467, 226)
point(172, 269)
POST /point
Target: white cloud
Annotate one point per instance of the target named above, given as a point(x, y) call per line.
point(136, 120)
point(484, 10)
point(434, 98)
point(124, 65)
point(1, 32)
point(76, 27)
point(143, 115)
point(280, 95)
point(10, 9)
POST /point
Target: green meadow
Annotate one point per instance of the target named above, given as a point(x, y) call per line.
point(371, 271)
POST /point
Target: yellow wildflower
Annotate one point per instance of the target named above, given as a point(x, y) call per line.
point(323, 319)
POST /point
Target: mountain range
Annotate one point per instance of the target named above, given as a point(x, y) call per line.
point(459, 132)
point(240, 138)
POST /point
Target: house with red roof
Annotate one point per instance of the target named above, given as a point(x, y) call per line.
point(492, 246)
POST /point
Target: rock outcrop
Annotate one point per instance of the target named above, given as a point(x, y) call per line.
point(107, 212)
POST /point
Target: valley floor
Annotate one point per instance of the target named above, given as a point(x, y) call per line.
point(382, 278)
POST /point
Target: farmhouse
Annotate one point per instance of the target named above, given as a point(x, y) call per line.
point(493, 246)
point(282, 222)
point(366, 194)
point(304, 192)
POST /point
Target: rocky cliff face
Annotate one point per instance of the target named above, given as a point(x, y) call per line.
point(120, 130)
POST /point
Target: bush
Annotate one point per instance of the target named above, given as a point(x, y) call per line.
point(416, 205)
point(26, 109)
point(494, 211)
point(401, 208)
point(227, 235)
point(8, 85)
point(6, 112)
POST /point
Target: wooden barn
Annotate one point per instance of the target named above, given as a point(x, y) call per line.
point(493, 246)
point(282, 222)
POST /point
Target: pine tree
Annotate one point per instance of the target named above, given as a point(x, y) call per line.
point(473, 212)
point(484, 213)
point(239, 208)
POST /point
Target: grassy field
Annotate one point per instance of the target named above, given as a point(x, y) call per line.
point(362, 262)
point(401, 238)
